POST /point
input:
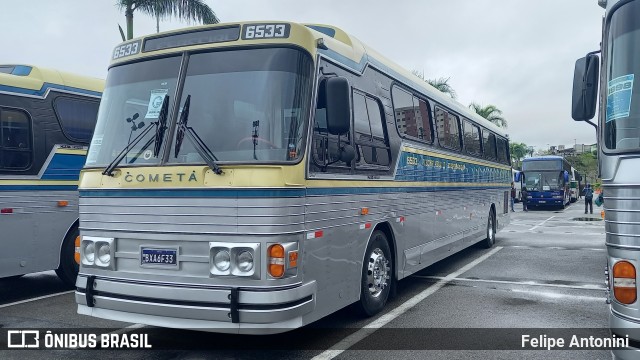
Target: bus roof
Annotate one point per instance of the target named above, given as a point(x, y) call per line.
point(29, 80)
point(336, 44)
point(545, 157)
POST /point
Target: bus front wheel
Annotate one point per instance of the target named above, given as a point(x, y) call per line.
point(490, 240)
point(377, 273)
point(68, 269)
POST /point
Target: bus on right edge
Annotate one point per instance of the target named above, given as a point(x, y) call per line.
point(618, 129)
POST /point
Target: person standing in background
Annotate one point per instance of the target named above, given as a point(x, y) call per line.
point(588, 198)
point(524, 195)
point(513, 195)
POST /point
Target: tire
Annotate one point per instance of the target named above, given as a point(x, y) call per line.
point(490, 240)
point(68, 269)
point(377, 275)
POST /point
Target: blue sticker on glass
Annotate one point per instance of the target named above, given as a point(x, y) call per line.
point(619, 94)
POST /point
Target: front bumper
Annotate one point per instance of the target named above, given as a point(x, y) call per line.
point(621, 325)
point(217, 309)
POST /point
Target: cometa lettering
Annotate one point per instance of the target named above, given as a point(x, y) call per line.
point(160, 178)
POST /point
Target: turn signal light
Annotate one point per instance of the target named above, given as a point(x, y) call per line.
point(276, 260)
point(76, 254)
point(624, 282)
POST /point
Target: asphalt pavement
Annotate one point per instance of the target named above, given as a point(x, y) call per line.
point(545, 275)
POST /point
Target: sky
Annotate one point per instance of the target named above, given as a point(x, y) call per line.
point(518, 55)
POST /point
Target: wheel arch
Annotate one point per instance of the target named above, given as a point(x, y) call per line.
point(73, 225)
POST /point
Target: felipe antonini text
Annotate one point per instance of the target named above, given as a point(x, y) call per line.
point(576, 342)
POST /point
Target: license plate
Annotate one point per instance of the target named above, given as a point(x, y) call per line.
point(155, 256)
point(542, 201)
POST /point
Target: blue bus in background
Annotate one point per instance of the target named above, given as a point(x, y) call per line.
point(547, 179)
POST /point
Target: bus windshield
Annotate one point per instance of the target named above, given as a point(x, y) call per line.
point(622, 120)
point(245, 106)
point(543, 180)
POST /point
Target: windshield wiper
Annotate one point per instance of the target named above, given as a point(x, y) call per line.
point(160, 126)
point(197, 142)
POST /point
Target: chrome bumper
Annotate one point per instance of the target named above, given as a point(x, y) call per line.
point(217, 309)
point(623, 323)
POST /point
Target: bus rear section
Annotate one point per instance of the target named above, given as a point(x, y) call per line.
point(618, 128)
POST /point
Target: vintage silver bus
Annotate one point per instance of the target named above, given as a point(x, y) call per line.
point(618, 129)
point(255, 177)
point(46, 122)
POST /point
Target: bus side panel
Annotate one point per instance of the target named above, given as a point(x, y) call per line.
point(621, 191)
point(33, 233)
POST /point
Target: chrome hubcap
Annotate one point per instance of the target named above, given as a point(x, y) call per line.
point(378, 273)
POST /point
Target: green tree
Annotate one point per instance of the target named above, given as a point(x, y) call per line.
point(441, 84)
point(518, 152)
point(586, 164)
point(491, 113)
point(190, 10)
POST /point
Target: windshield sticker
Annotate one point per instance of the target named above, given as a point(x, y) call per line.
point(619, 95)
point(94, 149)
point(155, 103)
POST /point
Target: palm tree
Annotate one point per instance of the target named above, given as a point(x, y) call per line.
point(491, 113)
point(189, 10)
point(442, 84)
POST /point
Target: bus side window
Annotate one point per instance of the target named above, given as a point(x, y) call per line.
point(77, 118)
point(15, 147)
point(448, 129)
point(372, 143)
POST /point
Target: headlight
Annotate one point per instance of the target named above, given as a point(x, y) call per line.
point(222, 260)
point(245, 261)
point(104, 254)
point(89, 252)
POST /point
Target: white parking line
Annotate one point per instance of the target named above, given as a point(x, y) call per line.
point(542, 223)
point(526, 283)
point(370, 328)
point(128, 328)
point(36, 298)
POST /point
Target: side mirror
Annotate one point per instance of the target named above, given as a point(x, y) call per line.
point(338, 110)
point(516, 177)
point(585, 88)
point(566, 176)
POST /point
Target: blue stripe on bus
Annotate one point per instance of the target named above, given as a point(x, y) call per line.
point(45, 87)
point(419, 167)
point(64, 167)
point(271, 193)
point(38, 187)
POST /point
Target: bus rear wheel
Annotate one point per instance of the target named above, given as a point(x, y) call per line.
point(490, 240)
point(68, 269)
point(377, 273)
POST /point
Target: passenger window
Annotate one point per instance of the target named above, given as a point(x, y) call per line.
point(448, 129)
point(15, 144)
point(371, 143)
point(489, 145)
point(503, 150)
point(471, 139)
point(412, 115)
point(77, 118)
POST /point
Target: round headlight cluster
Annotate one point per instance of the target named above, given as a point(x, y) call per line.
point(89, 252)
point(222, 260)
point(104, 254)
point(245, 261)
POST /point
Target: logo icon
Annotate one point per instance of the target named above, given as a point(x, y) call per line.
point(23, 339)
